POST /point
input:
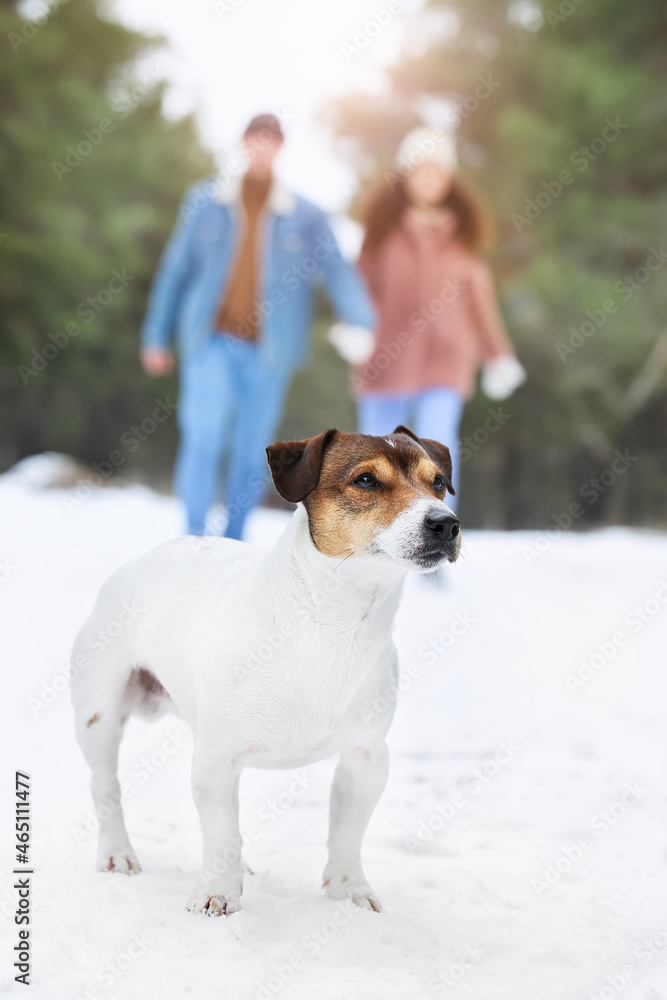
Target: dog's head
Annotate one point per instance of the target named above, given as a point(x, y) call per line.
point(372, 496)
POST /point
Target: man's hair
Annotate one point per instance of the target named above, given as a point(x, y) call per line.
point(266, 124)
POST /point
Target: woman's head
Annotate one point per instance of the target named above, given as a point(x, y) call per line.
point(427, 160)
point(427, 185)
point(426, 178)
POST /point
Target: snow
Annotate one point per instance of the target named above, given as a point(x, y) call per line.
point(570, 786)
point(44, 471)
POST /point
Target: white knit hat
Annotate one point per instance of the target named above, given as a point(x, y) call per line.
point(427, 145)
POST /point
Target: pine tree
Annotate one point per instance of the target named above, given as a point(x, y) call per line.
point(90, 178)
point(560, 109)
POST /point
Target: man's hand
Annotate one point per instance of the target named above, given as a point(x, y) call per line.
point(157, 360)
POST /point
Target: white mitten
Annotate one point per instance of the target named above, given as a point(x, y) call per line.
point(355, 344)
point(502, 376)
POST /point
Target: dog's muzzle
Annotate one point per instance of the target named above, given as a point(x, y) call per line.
point(441, 539)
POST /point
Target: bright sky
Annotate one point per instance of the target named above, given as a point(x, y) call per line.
point(229, 59)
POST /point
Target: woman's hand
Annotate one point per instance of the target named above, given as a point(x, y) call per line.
point(355, 344)
point(157, 361)
point(502, 376)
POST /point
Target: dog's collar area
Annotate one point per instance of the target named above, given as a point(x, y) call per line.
point(366, 569)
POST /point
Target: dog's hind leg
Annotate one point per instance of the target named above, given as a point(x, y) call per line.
point(100, 705)
point(358, 783)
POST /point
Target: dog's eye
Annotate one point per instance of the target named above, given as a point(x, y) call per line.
point(439, 483)
point(366, 481)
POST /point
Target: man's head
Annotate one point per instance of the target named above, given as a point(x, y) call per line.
point(261, 143)
point(372, 496)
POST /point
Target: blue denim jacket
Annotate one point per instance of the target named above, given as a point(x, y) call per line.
point(298, 252)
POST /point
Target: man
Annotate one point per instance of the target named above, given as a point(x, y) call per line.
point(236, 282)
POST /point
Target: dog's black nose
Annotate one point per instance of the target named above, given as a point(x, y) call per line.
point(441, 523)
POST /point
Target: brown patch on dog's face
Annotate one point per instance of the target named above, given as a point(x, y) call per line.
point(346, 510)
point(373, 495)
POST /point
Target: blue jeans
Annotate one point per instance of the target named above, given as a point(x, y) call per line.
point(231, 402)
point(432, 413)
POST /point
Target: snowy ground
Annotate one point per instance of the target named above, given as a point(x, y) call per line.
point(520, 848)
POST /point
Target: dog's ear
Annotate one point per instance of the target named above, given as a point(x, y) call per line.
point(438, 452)
point(296, 465)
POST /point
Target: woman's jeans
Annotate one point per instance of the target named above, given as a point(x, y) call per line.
point(431, 413)
point(231, 402)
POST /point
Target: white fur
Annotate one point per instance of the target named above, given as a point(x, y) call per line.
point(276, 659)
point(404, 535)
point(272, 657)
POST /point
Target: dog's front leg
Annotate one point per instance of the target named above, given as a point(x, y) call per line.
point(218, 888)
point(358, 782)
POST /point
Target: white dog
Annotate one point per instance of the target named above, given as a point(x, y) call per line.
point(273, 657)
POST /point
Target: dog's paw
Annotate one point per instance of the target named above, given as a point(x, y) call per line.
point(213, 906)
point(367, 900)
point(216, 897)
point(357, 889)
point(125, 862)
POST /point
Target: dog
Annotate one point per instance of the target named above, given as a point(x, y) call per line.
point(275, 658)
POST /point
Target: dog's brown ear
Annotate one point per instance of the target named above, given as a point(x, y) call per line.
point(296, 465)
point(438, 452)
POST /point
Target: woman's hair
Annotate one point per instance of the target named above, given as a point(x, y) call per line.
point(384, 207)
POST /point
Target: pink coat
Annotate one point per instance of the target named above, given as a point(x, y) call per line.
point(438, 320)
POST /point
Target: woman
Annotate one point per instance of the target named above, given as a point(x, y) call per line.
point(437, 316)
